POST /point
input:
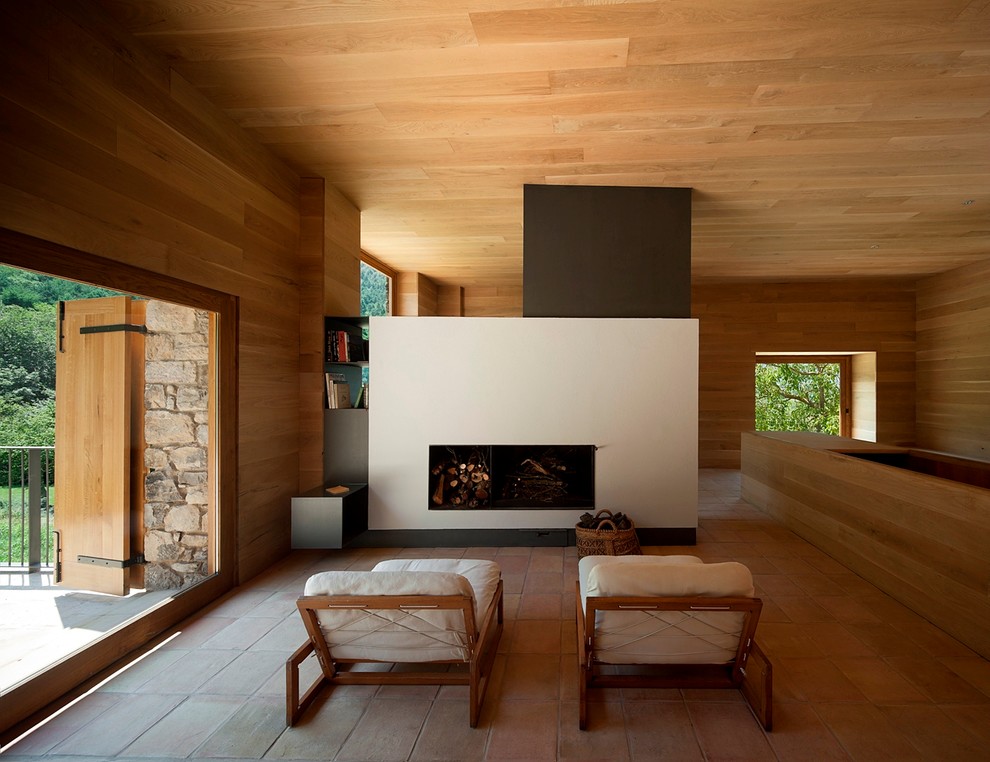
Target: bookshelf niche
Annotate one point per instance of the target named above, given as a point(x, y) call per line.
point(335, 514)
point(345, 362)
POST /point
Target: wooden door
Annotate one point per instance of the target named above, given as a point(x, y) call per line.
point(101, 350)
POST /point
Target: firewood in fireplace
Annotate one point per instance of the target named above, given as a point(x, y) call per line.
point(537, 480)
point(462, 481)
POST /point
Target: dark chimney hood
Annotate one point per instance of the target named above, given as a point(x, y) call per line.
point(605, 251)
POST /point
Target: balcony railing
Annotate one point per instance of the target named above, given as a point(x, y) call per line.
point(27, 507)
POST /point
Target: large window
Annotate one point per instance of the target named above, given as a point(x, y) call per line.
point(795, 393)
point(170, 306)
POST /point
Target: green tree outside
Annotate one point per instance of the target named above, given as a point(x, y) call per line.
point(28, 344)
point(24, 288)
point(798, 397)
point(27, 352)
point(374, 291)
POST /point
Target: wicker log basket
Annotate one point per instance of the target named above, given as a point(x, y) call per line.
point(606, 539)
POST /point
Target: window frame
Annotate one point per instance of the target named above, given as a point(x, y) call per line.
point(51, 688)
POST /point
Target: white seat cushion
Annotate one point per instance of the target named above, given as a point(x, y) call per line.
point(391, 583)
point(483, 576)
point(587, 563)
point(406, 635)
point(671, 579)
point(668, 637)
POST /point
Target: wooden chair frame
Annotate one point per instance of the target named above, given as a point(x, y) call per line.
point(483, 642)
point(750, 671)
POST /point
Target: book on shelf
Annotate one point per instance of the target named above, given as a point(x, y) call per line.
point(344, 346)
point(338, 391)
point(343, 392)
point(357, 348)
point(336, 346)
point(362, 397)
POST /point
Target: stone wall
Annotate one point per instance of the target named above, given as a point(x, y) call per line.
point(177, 490)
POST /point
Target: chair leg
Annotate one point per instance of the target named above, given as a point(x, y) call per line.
point(294, 707)
point(582, 697)
point(474, 698)
point(757, 686)
point(582, 657)
point(482, 665)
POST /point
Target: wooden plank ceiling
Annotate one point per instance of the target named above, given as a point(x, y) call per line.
point(822, 138)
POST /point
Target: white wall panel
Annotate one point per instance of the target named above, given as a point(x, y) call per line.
point(629, 386)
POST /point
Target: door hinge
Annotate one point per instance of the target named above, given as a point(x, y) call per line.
point(58, 555)
point(112, 563)
point(113, 328)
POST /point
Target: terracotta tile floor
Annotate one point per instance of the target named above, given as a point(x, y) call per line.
point(857, 675)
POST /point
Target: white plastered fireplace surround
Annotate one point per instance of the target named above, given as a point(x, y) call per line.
point(627, 385)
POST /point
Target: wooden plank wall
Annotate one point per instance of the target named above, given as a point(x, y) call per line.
point(953, 401)
point(450, 301)
point(415, 294)
point(921, 539)
point(738, 320)
point(106, 150)
point(501, 301)
point(329, 284)
point(864, 397)
point(312, 238)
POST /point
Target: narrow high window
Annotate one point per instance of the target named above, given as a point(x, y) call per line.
point(376, 290)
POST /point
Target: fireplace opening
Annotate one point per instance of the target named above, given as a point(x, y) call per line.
point(471, 477)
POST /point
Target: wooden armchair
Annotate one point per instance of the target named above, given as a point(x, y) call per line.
point(670, 622)
point(447, 613)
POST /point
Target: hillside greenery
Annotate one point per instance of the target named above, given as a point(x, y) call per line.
point(28, 328)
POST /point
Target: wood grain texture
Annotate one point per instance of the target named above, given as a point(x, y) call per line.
point(450, 301)
point(920, 539)
point(738, 320)
point(93, 479)
point(954, 362)
point(415, 294)
point(835, 140)
point(493, 301)
point(329, 284)
point(312, 223)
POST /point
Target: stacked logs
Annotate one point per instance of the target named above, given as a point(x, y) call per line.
point(464, 483)
point(617, 521)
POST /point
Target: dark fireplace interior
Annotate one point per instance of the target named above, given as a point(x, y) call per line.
point(478, 477)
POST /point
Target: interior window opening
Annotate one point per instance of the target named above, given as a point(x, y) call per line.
point(803, 393)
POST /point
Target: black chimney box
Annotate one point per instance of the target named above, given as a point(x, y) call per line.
point(604, 251)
